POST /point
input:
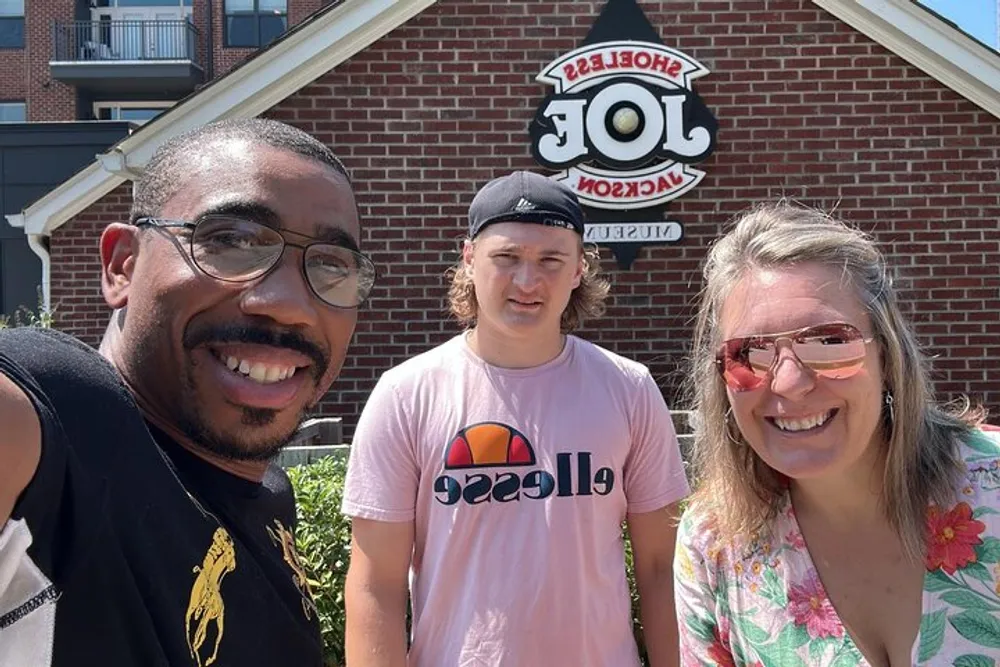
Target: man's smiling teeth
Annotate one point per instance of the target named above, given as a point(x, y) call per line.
point(263, 373)
point(803, 424)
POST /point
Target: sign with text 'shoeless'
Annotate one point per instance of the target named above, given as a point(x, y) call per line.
point(623, 126)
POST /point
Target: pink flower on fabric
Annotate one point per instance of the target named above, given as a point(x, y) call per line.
point(795, 540)
point(810, 607)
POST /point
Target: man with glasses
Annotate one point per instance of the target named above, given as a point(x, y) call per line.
point(143, 522)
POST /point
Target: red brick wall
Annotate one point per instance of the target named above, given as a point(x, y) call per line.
point(24, 73)
point(808, 108)
point(76, 267)
point(12, 75)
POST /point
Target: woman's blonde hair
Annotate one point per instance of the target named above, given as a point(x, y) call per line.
point(586, 301)
point(922, 462)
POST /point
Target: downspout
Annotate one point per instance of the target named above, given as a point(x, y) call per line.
point(37, 244)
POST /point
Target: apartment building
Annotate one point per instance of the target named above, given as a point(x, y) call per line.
point(122, 62)
point(64, 60)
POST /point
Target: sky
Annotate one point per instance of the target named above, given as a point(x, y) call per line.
point(975, 17)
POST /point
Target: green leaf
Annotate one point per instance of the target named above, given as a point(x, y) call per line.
point(774, 655)
point(978, 571)
point(753, 633)
point(700, 628)
point(792, 636)
point(967, 600)
point(817, 648)
point(738, 656)
point(983, 511)
point(931, 635)
point(773, 589)
point(988, 551)
point(977, 626)
point(974, 660)
point(847, 659)
point(938, 581)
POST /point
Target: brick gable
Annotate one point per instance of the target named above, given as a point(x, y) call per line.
point(808, 108)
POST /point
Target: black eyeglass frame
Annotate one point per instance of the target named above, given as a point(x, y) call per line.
point(184, 224)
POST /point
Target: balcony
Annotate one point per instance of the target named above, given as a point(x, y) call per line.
point(113, 58)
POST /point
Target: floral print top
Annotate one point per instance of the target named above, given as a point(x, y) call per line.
point(763, 603)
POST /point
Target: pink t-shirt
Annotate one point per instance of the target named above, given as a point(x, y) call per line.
point(518, 482)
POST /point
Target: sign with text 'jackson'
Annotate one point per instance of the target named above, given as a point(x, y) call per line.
point(623, 127)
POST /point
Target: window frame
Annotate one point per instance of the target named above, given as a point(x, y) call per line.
point(14, 19)
point(22, 103)
point(116, 4)
point(257, 15)
point(132, 104)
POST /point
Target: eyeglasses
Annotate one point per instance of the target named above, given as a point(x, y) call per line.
point(835, 351)
point(235, 249)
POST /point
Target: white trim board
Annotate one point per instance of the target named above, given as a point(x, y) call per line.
point(928, 43)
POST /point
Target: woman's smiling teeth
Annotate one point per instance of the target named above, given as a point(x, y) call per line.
point(802, 423)
point(260, 372)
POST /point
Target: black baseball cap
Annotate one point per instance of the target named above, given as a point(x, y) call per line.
point(525, 196)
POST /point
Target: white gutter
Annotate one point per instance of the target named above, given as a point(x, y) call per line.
point(35, 243)
point(117, 162)
point(65, 201)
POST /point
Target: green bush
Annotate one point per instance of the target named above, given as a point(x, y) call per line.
point(323, 538)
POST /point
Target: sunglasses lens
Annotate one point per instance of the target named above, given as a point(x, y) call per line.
point(740, 364)
point(834, 351)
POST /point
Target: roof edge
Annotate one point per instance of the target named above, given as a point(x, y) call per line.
point(61, 203)
point(928, 43)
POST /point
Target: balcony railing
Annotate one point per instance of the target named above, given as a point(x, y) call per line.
point(115, 41)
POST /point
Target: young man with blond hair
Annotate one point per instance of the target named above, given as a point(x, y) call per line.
point(497, 468)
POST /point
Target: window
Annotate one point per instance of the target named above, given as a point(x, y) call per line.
point(13, 112)
point(255, 22)
point(140, 3)
point(137, 112)
point(12, 24)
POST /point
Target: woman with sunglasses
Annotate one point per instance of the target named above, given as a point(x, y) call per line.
point(840, 518)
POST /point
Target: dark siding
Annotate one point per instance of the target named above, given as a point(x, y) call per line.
point(34, 158)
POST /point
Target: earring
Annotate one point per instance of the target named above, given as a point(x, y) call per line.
point(888, 407)
point(732, 427)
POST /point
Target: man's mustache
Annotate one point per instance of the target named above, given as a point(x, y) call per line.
point(241, 333)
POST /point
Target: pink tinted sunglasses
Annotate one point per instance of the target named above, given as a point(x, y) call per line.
point(835, 351)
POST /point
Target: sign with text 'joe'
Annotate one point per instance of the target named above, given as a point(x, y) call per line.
point(623, 127)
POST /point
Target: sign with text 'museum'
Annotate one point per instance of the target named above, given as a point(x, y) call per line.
point(623, 127)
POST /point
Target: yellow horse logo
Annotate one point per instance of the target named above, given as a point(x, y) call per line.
point(283, 538)
point(206, 603)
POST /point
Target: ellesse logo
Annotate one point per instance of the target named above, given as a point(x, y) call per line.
point(492, 445)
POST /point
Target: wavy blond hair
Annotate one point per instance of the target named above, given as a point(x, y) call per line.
point(923, 464)
point(587, 300)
